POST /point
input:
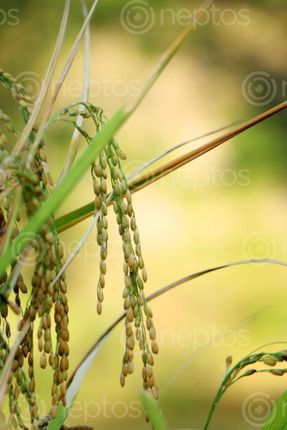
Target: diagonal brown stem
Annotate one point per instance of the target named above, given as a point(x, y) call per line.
point(78, 215)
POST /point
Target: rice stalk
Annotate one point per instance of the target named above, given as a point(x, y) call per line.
point(74, 144)
point(241, 370)
point(78, 215)
point(46, 83)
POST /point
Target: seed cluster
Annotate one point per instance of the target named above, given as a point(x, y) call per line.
point(18, 93)
point(6, 125)
point(139, 318)
point(42, 303)
point(99, 172)
point(17, 382)
point(46, 296)
point(242, 369)
point(47, 307)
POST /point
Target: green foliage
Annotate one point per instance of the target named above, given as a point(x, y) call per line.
point(278, 419)
point(154, 413)
point(30, 197)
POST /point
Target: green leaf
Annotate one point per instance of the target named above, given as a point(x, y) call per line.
point(63, 190)
point(74, 387)
point(77, 378)
point(91, 153)
point(58, 421)
point(154, 412)
point(78, 215)
point(278, 419)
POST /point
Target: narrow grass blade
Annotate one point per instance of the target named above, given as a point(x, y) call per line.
point(57, 422)
point(60, 81)
point(149, 163)
point(77, 249)
point(80, 372)
point(86, 235)
point(84, 212)
point(220, 337)
point(76, 382)
point(47, 81)
point(241, 370)
point(192, 155)
point(5, 374)
point(74, 144)
point(154, 412)
point(168, 55)
point(78, 170)
point(61, 192)
point(74, 387)
point(164, 290)
point(278, 419)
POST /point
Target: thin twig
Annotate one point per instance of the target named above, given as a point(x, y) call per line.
point(84, 212)
point(89, 230)
point(170, 287)
point(192, 155)
point(61, 79)
point(178, 146)
point(47, 81)
point(74, 144)
point(69, 182)
point(167, 57)
point(9, 362)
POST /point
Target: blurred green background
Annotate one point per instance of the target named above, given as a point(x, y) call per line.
point(226, 206)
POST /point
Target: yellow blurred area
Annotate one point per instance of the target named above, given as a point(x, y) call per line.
point(227, 206)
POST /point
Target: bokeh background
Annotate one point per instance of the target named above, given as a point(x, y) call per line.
point(226, 206)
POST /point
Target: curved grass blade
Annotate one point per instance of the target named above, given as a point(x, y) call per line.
point(278, 419)
point(57, 422)
point(174, 48)
point(47, 81)
point(154, 412)
point(79, 246)
point(61, 79)
point(129, 108)
point(222, 334)
point(80, 372)
point(74, 144)
point(5, 374)
point(55, 200)
point(84, 212)
point(90, 228)
point(149, 163)
point(171, 286)
point(69, 182)
point(233, 375)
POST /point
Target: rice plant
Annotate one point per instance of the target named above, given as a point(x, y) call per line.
point(30, 198)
